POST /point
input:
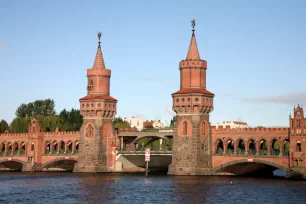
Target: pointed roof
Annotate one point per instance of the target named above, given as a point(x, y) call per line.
point(193, 52)
point(99, 61)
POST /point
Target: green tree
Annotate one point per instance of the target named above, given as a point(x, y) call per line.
point(72, 120)
point(173, 121)
point(119, 123)
point(20, 125)
point(38, 107)
point(3, 126)
point(50, 123)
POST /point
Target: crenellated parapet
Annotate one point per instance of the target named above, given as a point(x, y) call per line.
point(263, 130)
point(192, 101)
point(193, 63)
point(13, 135)
point(98, 106)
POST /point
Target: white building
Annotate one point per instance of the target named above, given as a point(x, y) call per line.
point(232, 124)
point(134, 122)
point(158, 124)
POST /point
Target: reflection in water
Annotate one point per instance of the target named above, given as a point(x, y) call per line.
point(136, 188)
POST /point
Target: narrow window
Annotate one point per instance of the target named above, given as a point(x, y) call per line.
point(32, 147)
point(185, 128)
point(203, 128)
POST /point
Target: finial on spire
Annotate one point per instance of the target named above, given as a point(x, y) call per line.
point(193, 23)
point(99, 37)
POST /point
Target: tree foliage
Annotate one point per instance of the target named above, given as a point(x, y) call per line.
point(38, 107)
point(43, 111)
point(3, 126)
point(173, 121)
point(119, 123)
point(20, 125)
point(72, 120)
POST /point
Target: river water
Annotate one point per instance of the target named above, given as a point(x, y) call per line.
point(48, 187)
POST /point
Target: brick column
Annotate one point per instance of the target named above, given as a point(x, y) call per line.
point(281, 148)
point(236, 147)
point(73, 147)
point(224, 147)
point(246, 148)
point(51, 148)
point(257, 145)
point(19, 147)
point(269, 147)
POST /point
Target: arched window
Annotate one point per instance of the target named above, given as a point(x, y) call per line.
point(185, 128)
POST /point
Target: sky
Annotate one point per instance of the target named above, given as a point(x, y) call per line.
point(255, 50)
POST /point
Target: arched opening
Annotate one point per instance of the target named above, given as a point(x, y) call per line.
point(263, 148)
point(48, 147)
point(286, 148)
point(60, 165)
point(275, 147)
point(69, 147)
point(255, 168)
point(230, 147)
point(76, 147)
point(252, 147)
point(298, 146)
point(54, 147)
point(23, 148)
point(11, 166)
point(153, 142)
point(62, 147)
point(185, 128)
point(219, 147)
point(241, 147)
point(2, 149)
point(15, 148)
point(9, 149)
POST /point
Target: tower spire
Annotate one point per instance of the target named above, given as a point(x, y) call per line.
point(193, 52)
point(99, 61)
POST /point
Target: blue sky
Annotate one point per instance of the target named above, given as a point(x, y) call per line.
point(256, 54)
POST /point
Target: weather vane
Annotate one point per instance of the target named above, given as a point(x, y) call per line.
point(99, 36)
point(193, 23)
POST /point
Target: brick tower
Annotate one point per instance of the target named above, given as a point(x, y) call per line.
point(97, 140)
point(191, 148)
point(297, 141)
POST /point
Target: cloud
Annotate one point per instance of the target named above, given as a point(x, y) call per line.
point(288, 99)
point(3, 45)
point(154, 80)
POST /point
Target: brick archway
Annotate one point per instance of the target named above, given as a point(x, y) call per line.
point(14, 164)
point(53, 161)
point(240, 161)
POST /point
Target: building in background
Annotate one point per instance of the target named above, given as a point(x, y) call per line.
point(158, 124)
point(232, 124)
point(134, 122)
point(153, 124)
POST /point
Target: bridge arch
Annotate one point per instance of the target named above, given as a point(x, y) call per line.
point(243, 166)
point(150, 136)
point(60, 164)
point(12, 164)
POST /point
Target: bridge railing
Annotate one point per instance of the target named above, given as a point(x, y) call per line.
point(143, 152)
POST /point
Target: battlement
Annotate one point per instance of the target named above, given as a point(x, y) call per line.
point(70, 133)
point(220, 129)
point(14, 135)
point(97, 72)
point(193, 63)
